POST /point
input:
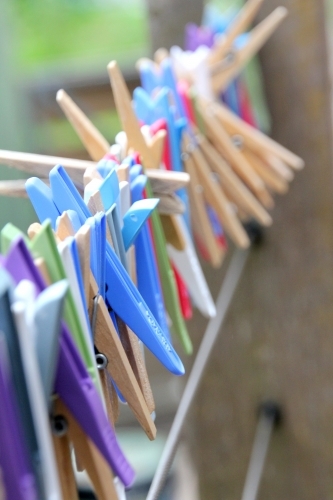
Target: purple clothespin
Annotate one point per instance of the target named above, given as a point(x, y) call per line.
point(17, 475)
point(198, 35)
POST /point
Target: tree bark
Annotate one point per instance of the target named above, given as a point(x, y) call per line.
point(167, 20)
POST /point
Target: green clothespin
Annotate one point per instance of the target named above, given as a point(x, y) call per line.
point(168, 281)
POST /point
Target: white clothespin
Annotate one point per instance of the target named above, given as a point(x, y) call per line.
point(188, 266)
point(22, 308)
point(193, 66)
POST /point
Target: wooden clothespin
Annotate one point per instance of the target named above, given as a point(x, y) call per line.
point(90, 458)
point(222, 74)
point(13, 188)
point(243, 19)
point(200, 221)
point(42, 164)
point(93, 140)
point(271, 151)
point(214, 195)
point(235, 189)
point(223, 143)
point(167, 181)
point(150, 152)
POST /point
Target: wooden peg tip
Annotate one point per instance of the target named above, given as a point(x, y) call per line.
point(60, 95)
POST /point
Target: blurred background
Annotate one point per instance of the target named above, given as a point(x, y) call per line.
point(277, 342)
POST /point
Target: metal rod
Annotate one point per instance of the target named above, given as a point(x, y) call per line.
point(269, 416)
point(223, 301)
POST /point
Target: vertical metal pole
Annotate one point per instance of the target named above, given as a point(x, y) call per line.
point(213, 328)
point(269, 416)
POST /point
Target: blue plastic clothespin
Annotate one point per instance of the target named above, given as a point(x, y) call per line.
point(151, 109)
point(147, 271)
point(97, 225)
point(109, 190)
point(41, 197)
point(153, 79)
point(135, 218)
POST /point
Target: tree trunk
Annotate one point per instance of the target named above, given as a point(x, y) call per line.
point(277, 342)
point(167, 20)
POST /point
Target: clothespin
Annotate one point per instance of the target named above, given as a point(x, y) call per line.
point(23, 299)
point(223, 143)
point(187, 264)
point(89, 456)
point(98, 146)
point(235, 189)
point(223, 74)
point(200, 221)
point(70, 254)
point(8, 328)
point(147, 273)
point(216, 197)
point(135, 356)
point(223, 43)
point(264, 146)
point(42, 164)
point(17, 471)
point(48, 310)
point(198, 35)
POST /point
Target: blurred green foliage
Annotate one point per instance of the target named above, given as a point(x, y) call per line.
point(87, 32)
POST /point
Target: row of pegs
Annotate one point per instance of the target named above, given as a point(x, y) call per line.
point(113, 263)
